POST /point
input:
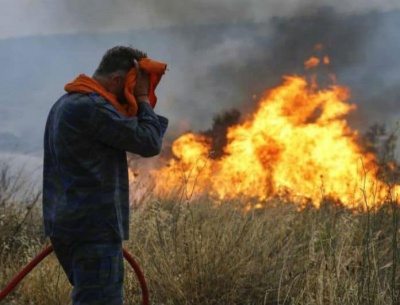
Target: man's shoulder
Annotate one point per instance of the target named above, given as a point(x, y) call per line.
point(103, 105)
point(75, 99)
point(93, 99)
point(72, 106)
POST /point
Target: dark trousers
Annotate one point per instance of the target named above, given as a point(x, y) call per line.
point(94, 268)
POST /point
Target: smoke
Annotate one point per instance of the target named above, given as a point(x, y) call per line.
point(222, 53)
point(26, 17)
point(224, 65)
point(209, 11)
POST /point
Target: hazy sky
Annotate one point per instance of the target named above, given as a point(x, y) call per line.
point(43, 17)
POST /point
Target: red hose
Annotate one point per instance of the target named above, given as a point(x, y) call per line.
point(18, 278)
point(140, 276)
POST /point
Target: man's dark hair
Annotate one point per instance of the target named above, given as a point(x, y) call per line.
point(118, 58)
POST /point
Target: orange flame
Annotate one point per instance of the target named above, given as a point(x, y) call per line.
point(297, 144)
point(313, 62)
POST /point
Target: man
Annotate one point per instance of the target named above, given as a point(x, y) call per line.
point(85, 178)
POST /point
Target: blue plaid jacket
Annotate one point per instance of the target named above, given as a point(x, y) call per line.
point(85, 173)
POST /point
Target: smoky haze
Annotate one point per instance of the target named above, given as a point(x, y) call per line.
point(224, 65)
point(100, 15)
point(228, 51)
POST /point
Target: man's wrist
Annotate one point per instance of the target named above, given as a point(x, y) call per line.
point(142, 98)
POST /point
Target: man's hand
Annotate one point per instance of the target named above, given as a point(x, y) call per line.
point(142, 84)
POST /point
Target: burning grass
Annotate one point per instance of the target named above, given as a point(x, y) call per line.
point(298, 143)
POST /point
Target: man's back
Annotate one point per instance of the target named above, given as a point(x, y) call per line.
point(85, 191)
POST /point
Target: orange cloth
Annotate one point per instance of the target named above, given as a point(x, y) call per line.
point(86, 84)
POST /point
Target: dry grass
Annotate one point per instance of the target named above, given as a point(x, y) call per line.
point(201, 254)
point(194, 252)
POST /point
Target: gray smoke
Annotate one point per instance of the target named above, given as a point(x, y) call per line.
point(221, 53)
point(223, 66)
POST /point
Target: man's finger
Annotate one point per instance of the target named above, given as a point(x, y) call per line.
point(137, 68)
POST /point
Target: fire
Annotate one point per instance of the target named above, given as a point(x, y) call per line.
point(312, 63)
point(296, 145)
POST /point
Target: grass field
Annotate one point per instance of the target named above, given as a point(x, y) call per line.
point(194, 251)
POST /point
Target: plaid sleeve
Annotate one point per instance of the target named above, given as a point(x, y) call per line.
point(141, 135)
